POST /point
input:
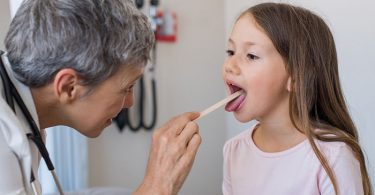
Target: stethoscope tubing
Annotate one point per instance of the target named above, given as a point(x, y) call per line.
point(142, 123)
point(10, 93)
point(123, 118)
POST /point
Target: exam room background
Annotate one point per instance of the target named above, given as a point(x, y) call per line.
point(189, 78)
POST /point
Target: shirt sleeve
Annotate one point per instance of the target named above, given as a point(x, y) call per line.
point(11, 181)
point(347, 173)
point(226, 187)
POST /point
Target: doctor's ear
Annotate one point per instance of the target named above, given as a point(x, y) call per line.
point(66, 85)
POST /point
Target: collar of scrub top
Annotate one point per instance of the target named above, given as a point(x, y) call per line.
point(23, 90)
point(35, 135)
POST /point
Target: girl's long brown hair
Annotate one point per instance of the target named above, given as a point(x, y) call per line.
point(316, 101)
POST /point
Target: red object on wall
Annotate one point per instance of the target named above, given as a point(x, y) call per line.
point(167, 30)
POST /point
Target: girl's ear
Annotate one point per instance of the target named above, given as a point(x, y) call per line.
point(289, 84)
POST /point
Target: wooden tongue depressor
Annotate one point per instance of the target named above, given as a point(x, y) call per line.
point(219, 104)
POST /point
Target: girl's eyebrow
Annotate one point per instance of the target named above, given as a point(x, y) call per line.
point(250, 43)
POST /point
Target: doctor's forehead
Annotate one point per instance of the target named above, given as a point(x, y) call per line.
point(130, 74)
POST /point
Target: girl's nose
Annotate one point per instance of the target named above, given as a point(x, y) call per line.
point(231, 67)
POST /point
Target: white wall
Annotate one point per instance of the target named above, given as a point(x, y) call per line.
point(7, 11)
point(4, 21)
point(189, 78)
point(353, 26)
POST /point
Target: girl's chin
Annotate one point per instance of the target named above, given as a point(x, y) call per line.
point(241, 118)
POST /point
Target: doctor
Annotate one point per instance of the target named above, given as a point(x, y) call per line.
point(75, 63)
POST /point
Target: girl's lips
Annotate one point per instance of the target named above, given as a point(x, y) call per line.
point(233, 88)
point(237, 103)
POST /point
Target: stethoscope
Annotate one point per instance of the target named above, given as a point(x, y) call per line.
point(123, 119)
point(11, 94)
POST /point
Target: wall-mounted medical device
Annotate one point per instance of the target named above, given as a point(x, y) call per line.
point(143, 115)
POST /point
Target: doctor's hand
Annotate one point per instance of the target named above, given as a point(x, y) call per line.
point(173, 150)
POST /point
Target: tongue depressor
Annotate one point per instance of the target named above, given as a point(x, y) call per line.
point(219, 104)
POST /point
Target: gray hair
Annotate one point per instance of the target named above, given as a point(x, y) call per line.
point(93, 37)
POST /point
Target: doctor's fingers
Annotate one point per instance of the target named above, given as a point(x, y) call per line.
point(173, 147)
point(181, 142)
point(185, 163)
point(178, 123)
point(187, 133)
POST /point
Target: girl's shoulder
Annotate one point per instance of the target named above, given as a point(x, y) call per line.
point(332, 148)
point(241, 139)
point(241, 136)
point(335, 150)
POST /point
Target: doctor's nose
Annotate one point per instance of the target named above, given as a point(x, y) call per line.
point(128, 101)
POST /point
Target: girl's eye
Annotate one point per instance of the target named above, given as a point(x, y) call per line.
point(230, 52)
point(252, 57)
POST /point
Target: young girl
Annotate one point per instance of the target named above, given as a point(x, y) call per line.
point(284, 59)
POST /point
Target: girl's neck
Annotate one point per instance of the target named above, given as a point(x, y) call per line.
point(276, 136)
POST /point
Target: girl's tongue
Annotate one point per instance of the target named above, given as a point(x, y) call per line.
point(236, 103)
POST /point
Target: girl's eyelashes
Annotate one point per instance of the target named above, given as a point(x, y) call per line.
point(249, 56)
point(252, 56)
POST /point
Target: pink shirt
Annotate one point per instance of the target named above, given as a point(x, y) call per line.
point(296, 171)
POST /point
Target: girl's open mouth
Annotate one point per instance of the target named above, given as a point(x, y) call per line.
point(237, 103)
